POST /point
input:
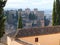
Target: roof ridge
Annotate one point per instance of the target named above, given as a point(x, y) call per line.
point(24, 42)
point(41, 27)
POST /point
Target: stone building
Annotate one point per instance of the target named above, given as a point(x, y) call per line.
point(38, 22)
point(11, 17)
point(35, 36)
point(27, 11)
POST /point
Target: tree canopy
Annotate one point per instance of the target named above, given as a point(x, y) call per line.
point(56, 13)
point(32, 16)
point(2, 18)
point(20, 22)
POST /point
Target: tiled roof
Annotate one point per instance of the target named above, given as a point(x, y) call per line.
point(37, 31)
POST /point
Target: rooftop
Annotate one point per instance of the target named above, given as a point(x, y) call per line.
point(36, 31)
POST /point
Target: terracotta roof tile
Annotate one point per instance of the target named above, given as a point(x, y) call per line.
point(37, 31)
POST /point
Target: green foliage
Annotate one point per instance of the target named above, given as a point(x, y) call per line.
point(20, 22)
point(2, 29)
point(2, 20)
point(2, 3)
point(56, 13)
point(46, 21)
point(32, 16)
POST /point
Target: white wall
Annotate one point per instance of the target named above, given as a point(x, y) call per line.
point(51, 39)
point(12, 42)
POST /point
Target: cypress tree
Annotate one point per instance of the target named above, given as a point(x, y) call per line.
point(20, 22)
point(2, 19)
point(54, 15)
point(46, 21)
point(32, 16)
point(58, 12)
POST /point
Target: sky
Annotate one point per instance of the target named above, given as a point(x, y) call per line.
point(40, 4)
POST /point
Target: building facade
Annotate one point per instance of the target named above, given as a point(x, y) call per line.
point(12, 17)
point(36, 36)
point(30, 18)
point(35, 18)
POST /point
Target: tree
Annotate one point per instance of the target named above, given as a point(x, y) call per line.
point(32, 16)
point(2, 19)
point(20, 22)
point(46, 21)
point(58, 12)
point(54, 15)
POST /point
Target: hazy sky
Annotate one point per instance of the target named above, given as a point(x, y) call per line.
point(40, 4)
